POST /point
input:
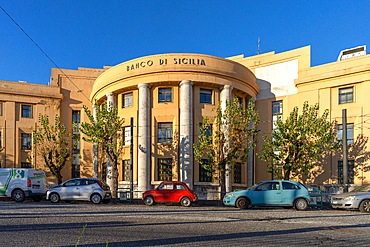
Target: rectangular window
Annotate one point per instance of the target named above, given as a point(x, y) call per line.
point(165, 95)
point(240, 100)
point(126, 170)
point(127, 137)
point(165, 169)
point(164, 132)
point(26, 111)
point(76, 119)
point(127, 100)
point(26, 141)
point(75, 144)
point(204, 174)
point(350, 129)
point(277, 107)
point(238, 173)
point(351, 173)
point(206, 96)
point(75, 170)
point(277, 112)
point(1, 108)
point(208, 131)
point(1, 140)
point(345, 95)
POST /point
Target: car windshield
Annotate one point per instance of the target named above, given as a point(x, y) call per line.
point(253, 186)
point(363, 188)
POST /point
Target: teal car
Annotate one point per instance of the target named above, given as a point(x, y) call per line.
point(283, 193)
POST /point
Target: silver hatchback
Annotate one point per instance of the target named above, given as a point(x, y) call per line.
point(80, 189)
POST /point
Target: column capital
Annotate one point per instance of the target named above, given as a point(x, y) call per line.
point(143, 85)
point(109, 94)
point(186, 82)
point(227, 87)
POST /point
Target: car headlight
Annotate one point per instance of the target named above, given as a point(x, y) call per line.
point(229, 195)
point(349, 198)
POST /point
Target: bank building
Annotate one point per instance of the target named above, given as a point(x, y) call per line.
point(166, 97)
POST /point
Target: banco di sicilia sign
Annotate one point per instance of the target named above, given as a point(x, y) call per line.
point(165, 61)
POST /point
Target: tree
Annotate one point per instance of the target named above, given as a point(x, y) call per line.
point(51, 142)
point(1, 149)
point(233, 135)
point(105, 129)
point(299, 142)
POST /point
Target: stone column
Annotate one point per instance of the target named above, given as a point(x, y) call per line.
point(186, 132)
point(111, 102)
point(144, 139)
point(95, 148)
point(225, 96)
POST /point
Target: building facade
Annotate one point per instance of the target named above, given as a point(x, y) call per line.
point(166, 97)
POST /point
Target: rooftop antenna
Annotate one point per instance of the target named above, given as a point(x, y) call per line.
point(258, 45)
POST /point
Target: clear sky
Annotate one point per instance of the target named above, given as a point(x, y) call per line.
point(92, 33)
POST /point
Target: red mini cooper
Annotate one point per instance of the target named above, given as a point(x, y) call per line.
point(170, 192)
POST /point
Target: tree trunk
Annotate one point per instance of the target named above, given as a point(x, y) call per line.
point(223, 184)
point(60, 178)
point(287, 174)
point(109, 177)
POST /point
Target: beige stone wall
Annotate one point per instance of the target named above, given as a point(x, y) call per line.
point(75, 87)
point(42, 99)
point(320, 84)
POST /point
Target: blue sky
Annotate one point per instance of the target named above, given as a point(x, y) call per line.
point(93, 33)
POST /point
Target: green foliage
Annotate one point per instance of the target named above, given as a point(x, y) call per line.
point(299, 142)
point(51, 142)
point(1, 149)
point(233, 134)
point(106, 131)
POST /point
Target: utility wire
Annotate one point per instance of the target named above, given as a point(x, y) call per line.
point(39, 47)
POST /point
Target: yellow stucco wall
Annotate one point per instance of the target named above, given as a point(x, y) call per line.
point(71, 89)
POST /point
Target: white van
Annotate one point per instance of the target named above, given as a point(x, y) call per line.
point(20, 183)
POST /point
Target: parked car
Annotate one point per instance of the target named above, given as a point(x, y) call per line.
point(358, 199)
point(20, 183)
point(170, 192)
point(80, 189)
point(270, 193)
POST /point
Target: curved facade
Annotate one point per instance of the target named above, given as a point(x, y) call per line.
point(167, 96)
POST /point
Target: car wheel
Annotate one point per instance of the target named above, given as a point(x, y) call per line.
point(18, 195)
point(242, 203)
point(95, 198)
point(365, 206)
point(54, 197)
point(149, 201)
point(300, 204)
point(185, 202)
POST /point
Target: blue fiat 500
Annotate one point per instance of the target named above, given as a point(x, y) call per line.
point(283, 193)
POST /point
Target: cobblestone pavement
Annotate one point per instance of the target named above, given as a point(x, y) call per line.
point(122, 224)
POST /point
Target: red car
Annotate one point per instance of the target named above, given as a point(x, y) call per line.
point(170, 192)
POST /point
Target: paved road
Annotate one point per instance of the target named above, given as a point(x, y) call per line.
point(46, 224)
